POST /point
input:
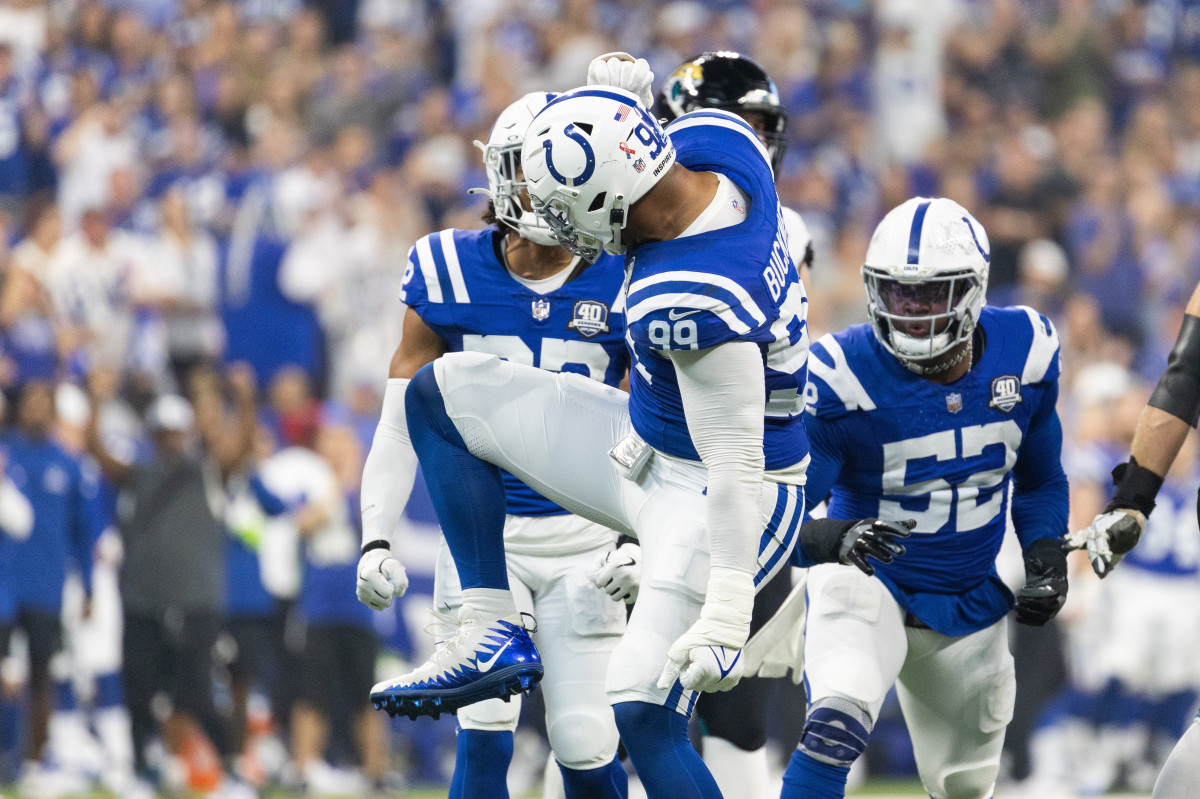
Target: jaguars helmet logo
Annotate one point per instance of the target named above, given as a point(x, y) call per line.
point(680, 81)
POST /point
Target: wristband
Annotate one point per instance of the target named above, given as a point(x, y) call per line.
point(1137, 487)
point(378, 543)
point(821, 539)
point(1046, 555)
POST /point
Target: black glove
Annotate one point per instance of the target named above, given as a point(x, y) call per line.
point(852, 542)
point(1045, 589)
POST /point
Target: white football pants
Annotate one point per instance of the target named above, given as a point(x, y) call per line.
point(578, 626)
point(1180, 777)
point(554, 431)
point(956, 693)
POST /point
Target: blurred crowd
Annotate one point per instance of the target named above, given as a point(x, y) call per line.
point(188, 184)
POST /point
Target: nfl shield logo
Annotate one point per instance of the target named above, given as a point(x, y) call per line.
point(541, 310)
point(954, 402)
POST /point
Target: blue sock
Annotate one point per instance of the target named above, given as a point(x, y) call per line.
point(481, 764)
point(1172, 714)
point(807, 778)
point(607, 782)
point(109, 691)
point(65, 700)
point(667, 763)
point(467, 493)
point(12, 722)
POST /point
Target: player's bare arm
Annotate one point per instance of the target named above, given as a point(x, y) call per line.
point(418, 346)
point(1174, 407)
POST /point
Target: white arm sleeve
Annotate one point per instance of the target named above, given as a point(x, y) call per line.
point(724, 393)
point(390, 469)
point(16, 514)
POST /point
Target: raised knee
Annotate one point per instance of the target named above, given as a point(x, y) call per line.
point(836, 731)
point(423, 387)
point(583, 739)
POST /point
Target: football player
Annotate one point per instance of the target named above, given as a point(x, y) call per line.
point(931, 410)
point(734, 722)
point(1162, 427)
point(703, 462)
point(511, 291)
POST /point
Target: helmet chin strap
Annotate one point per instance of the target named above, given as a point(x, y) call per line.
point(964, 351)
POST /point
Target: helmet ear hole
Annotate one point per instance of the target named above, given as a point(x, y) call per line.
point(598, 202)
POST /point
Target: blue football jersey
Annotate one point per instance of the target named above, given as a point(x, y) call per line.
point(734, 284)
point(888, 443)
point(457, 284)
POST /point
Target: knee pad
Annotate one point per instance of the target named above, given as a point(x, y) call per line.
point(491, 715)
point(585, 738)
point(836, 731)
point(972, 783)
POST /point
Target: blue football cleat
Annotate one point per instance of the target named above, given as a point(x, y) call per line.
point(485, 659)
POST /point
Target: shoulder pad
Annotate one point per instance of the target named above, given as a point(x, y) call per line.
point(721, 308)
point(1042, 363)
point(828, 363)
point(435, 259)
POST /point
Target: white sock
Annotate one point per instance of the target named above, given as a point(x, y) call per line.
point(737, 772)
point(491, 603)
point(112, 726)
point(552, 781)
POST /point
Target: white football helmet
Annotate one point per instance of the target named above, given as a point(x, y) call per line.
point(926, 277)
point(589, 155)
point(502, 162)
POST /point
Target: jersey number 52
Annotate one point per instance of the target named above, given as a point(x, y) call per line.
point(992, 450)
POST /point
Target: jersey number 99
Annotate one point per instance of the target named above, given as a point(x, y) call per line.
point(681, 335)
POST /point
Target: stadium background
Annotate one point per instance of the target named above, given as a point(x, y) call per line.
point(198, 182)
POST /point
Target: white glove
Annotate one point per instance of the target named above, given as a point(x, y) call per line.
point(380, 577)
point(619, 573)
point(708, 657)
point(625, 72)
point(1125, 524)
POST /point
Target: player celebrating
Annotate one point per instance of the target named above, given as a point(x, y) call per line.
point(734, 722)
point(1173, 408)
point(716, 317)
point(930, 410)
point(511, 291)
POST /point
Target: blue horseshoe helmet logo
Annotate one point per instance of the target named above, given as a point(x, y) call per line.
point(588, 168)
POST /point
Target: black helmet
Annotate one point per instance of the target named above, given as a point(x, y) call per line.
point(732, 82)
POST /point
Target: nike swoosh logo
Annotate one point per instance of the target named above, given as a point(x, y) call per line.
point(673, 316)
point(725, 671)
point(484, 666)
